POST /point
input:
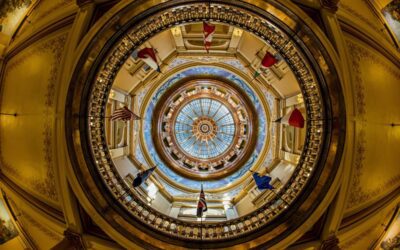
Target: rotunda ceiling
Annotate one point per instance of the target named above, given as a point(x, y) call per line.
point(205, 124)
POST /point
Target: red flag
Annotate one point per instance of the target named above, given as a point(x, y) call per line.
point(124, 114)
point(208, 32)
point(294, 118)
point(149, 57)
point(268, 60)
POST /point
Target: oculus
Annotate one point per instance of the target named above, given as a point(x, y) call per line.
point(204, 129)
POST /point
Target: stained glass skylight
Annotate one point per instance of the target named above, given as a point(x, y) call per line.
point(204, 128)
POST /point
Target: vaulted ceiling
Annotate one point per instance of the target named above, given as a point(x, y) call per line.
point(39, 56)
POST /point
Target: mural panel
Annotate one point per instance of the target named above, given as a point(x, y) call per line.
point(391, 239)
point(8, 230)
point(392, 16)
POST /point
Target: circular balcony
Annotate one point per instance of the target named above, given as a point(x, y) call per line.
point(118, 205)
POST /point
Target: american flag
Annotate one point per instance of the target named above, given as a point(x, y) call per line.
point(124, 114)
point(201, 205)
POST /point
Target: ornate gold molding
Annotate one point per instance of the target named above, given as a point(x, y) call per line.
point(359, 55)
point(356, 14)
point(46, 186)
point(40, 226)
point(358, 238)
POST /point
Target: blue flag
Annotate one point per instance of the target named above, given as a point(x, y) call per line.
point(262, 181)
point(142, 176)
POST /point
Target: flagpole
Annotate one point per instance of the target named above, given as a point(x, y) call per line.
point(93, 116)
point(209, 10)
point(276, 194)
point(336, 118)
point(201, 231)
point(15, 114)
point(201, 222)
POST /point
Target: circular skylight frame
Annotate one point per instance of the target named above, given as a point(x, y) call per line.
point(209, 133)
point(168, 109)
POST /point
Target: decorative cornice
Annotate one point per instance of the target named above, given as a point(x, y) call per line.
point(32, 200)
point(54, 236)
point(357, 238)
point(356, 14)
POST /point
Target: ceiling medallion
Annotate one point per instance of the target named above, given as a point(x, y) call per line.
point(204, 129)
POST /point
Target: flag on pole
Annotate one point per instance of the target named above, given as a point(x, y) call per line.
point(268, 60)
point(201, 205)
point(262, 182)
point(142, 176)
point(208, 32)
point(124, 114)
point(148, 55)
point(294, 118)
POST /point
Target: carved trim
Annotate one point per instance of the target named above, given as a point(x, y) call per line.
point(64, 3)
point(358, 83)
point(356, 14)
point(32, 200)
point(357, 195)
point(31, 40)
point(374, 208)
point(41, 228)
point(358, 238)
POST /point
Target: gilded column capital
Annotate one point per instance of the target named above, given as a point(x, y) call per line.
point(331, 5)
point(81, 3)
point(330, 243)
point(71, 241)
